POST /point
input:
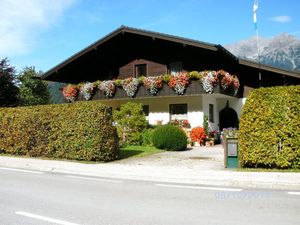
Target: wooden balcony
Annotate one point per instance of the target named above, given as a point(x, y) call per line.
point(194, 89)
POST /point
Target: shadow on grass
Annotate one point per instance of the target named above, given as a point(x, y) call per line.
point(124, 154)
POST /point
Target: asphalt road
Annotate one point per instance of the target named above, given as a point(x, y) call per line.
point(32, 197)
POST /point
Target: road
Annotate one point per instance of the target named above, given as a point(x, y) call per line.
point(34, 198)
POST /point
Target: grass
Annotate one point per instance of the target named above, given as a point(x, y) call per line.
point(125, 152)
point(137, 151)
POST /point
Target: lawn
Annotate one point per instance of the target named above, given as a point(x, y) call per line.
point(137, 151)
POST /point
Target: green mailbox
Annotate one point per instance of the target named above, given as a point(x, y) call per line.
point(231, 153)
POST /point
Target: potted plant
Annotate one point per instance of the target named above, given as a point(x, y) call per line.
point(198, 135)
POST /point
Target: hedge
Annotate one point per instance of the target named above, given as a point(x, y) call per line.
point(269, 135)
point(79, 131)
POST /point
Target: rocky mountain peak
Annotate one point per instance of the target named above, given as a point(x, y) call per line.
point(282, 50)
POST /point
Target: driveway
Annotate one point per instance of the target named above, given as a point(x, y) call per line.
point(198, 158)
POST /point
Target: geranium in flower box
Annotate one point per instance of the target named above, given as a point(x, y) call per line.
point(87, 90)
point(70, 92)
point(179, 83)
point(209, 81)
point(108, 87)
point(130, 86)
point(153, 84)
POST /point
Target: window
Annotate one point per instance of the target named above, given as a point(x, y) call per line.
point(175, 67)
point(178, 111)
point(211, 113)
point(146, 111)
point(110, 110)
point(140, 70)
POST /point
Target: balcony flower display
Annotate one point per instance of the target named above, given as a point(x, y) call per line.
point(209, 81)
point(228, 81)
point(130, 86)
point(70, 92)
point(179, 83)
point(87, 90)
point(153, 84)
point(108, 87)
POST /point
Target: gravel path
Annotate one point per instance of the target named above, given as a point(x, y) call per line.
point(204, 158)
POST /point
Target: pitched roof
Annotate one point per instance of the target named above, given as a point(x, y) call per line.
point(172, 38)
point(126, 29)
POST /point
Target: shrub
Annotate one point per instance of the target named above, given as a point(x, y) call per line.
point(147, 136)
point(269, 134)
point(131, 122)
point(169, 137)
point(198, 134)
point(80, 131)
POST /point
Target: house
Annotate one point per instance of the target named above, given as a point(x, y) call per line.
point(129, 52)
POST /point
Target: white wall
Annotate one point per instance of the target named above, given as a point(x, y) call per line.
point(159, 108)
point(197, 107)
point(211, 99)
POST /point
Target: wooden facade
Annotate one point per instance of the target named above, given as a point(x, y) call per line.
point(116, 55)
point(152, 68)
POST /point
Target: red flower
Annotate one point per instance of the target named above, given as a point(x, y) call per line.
point(198, 134)
point(70, 92)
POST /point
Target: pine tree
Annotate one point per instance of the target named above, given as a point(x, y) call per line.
point(8, 89)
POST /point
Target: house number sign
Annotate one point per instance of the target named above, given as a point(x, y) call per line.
point(232, 149)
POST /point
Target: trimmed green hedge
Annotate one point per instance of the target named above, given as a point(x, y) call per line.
point(80, 131)
point(269, 135)
point(169, 137)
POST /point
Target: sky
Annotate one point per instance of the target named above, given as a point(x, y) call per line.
point(43, 33)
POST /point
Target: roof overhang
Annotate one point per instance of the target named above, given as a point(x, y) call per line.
point(258, 66)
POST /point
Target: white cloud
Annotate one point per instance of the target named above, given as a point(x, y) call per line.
point(22, 20)
point(281, 19)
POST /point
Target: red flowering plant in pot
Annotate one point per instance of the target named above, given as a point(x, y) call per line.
point(198, 135)
point(179, 82)
point(70, 92)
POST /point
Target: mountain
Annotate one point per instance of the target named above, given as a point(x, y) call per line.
point(280, 51)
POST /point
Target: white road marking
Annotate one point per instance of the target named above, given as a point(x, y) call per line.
point(199, 188)
point(20, 170)
point(44, 218)
point(293, 193)
point(94, 179)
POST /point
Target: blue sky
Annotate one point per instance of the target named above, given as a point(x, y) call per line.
point(42, 33)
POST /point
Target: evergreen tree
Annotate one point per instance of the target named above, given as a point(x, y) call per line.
point(8, 89)
point(33, 91)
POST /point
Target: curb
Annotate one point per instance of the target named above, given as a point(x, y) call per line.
point(258, 180)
